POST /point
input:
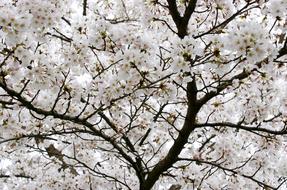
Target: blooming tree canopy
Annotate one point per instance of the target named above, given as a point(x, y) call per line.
point(143, 94)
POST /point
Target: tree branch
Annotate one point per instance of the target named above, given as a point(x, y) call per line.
point(250, 177)
point(85, 7)
point(181, 22)
point(180, 141)
point(243, 127)
point(76, 120)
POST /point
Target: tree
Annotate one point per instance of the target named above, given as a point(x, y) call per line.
point(150, 94)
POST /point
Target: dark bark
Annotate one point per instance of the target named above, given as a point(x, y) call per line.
point(180, 141)
point(85, 7)
point(181, 22)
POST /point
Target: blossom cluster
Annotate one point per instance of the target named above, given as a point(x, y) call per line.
point(96, 93)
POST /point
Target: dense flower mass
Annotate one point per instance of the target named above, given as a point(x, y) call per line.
point(143, 94)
